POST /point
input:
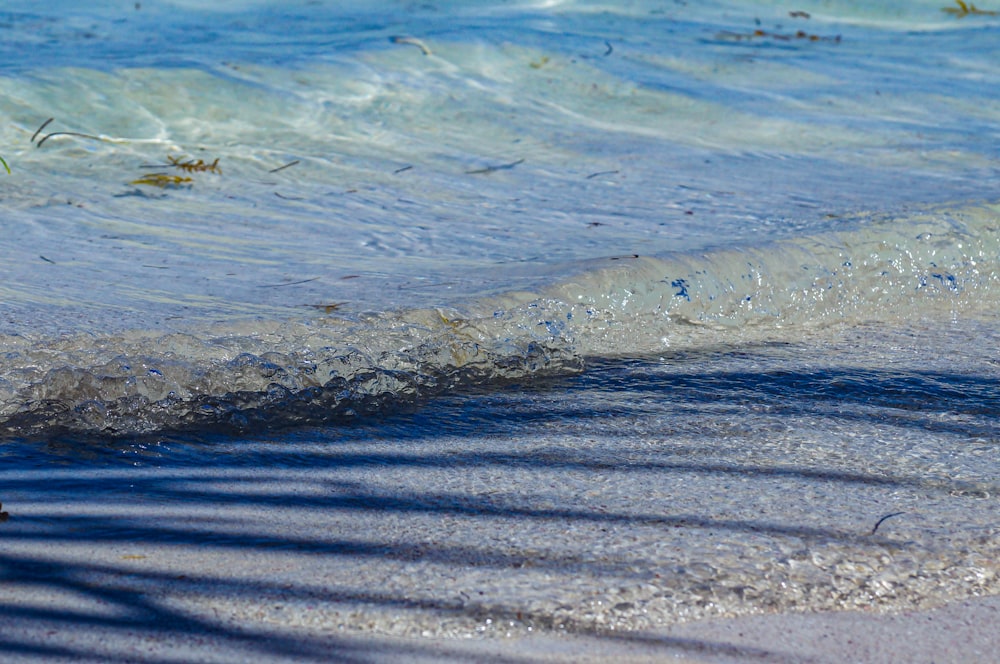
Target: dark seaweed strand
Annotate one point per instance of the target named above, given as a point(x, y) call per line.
point(66, 133)
point(887, 516)
point(39, 130)
point(281, 168)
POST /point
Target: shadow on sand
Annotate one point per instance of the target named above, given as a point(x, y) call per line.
point(116, 609)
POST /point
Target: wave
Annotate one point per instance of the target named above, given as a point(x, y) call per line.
point(268, 373)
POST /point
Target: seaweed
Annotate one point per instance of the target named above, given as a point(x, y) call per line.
point(494, 169)
point(963, 9)
point(192, 166)
point(167, 181)
point(4, 162)
point(163, 180)
point(412, 41)
point(39, 130)
point(328, 308)
point(775, 36)
point(281, 168)
point(58, 133)
point(880, 521)
point(290, 283)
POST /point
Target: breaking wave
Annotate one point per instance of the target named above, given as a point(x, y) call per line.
point(262, 373)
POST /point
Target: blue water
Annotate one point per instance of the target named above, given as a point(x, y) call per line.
point(252, 209)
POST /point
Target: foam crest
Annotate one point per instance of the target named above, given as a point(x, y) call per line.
point(281, 373)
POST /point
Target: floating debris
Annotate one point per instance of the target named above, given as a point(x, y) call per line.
point(412, 41)
point(290, 283)
point(963, 10)
point(328, 308)
point(192, 166)
point(167, 181)
point(492, 169)
point(39, 130)
point(801, 35)
point(880, 521)
point(163, 180)
point(281, 168)
point(59, 133)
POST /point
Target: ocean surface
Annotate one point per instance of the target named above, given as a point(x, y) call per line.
point(242, 223)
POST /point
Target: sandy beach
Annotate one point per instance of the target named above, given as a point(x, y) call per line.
point(133, 601)
point(507, 528)
point(960, 632)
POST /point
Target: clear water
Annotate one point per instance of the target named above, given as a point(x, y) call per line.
point(417, 202)
point(448, 156)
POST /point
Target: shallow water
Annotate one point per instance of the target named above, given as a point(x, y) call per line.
point(614, 257)
point(648, 130)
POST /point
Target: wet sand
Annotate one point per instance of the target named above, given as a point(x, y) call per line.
point(642, 511)
point(86, 594)
point(960, 632)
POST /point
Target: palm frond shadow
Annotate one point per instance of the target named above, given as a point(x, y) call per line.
point(225, 475)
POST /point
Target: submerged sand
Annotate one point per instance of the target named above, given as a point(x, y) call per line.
point(739, 504)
